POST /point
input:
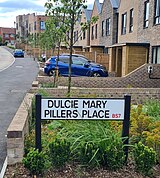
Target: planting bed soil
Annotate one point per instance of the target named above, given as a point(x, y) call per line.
point(75, 171)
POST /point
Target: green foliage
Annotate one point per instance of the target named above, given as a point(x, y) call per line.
point(108, 153)
point(99, 143)
point(48, 85)
point(140, 122)
point(145, 158)
point(53, 33)
point(0, 39)
point(59, 152)
point(11, 47)
point(152, 138)
point(43, 92)
point(32, 119)
point(68, 13)
point(29, 142)
point(91, 143)
point(36, 162)
point(145, 126)
point(152, 108)
point(113, 154)
point(88, 154)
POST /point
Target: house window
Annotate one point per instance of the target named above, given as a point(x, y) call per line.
point(29, 27)
point(156, 55)
point(131, 21)
point(42, 25)
point(6, 35)
point(102, 28)
point(108, 26)
point(84, 34)
point(75, 36)
point(124, 23)
point(26, 23)
point(67, 36)
point(146, 14)
point(157, 12)
point(34, 25)
point(96, 31)
point(92, 35)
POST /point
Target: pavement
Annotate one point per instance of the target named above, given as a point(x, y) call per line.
point(6, 59)
point(16, 77)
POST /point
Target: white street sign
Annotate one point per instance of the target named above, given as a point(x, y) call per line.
point(82, 108)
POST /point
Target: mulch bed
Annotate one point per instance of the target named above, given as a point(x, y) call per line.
point(76, 171)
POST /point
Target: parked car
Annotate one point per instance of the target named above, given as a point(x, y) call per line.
point(18, 53)
point(81, 66)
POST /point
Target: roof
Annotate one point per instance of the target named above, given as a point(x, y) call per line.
point(99, 6)
point(88, 14)
point(115, 3)
point(5, 30)
point(130, 44)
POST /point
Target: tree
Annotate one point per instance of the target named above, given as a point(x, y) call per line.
point(70, 11)
point(0, 39)
point(52, 37)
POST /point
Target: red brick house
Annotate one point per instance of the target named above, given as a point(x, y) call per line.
point(8, 35)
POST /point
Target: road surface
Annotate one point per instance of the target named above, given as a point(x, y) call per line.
point(16, 77)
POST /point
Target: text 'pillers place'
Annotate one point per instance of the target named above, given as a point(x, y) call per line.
point(81, 109)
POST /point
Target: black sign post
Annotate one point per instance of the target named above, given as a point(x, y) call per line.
point(126, 124)
point(38, 122)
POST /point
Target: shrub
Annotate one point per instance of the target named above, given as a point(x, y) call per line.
point(59, 152)
point(152, 138)
point(145, 158)
point(112, 154)
point(140, 122)
point(29, 142)
point(36, 162)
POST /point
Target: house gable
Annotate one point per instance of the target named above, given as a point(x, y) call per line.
point(108, 22)
point(94, 29)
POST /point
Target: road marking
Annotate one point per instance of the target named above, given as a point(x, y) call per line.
point(3, 168)
point(19, 66)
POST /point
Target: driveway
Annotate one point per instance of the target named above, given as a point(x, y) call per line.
point(16, 77)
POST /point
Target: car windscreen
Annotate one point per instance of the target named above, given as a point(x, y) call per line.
point(18, 50)
point(79, 60)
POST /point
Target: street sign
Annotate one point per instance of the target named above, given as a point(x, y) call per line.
point(82, 108)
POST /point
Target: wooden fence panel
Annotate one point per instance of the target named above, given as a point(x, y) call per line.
point(100, 58)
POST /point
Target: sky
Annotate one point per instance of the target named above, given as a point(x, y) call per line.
point(9, 9)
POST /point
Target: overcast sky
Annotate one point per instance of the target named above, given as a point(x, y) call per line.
point(9, 9)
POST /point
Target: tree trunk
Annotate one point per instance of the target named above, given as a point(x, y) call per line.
point(70, 60)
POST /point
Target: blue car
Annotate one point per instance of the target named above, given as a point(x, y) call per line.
point(18, 53)
point(80, 66)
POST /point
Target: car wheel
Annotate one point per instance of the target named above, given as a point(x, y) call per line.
point(96, 74)
point(51, 72)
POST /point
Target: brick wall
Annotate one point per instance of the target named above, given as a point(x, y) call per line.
point(125, 7)
point(137, 79)
point(17, 130)
point(138, 95)
point(108, 12)
point(152, 33)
